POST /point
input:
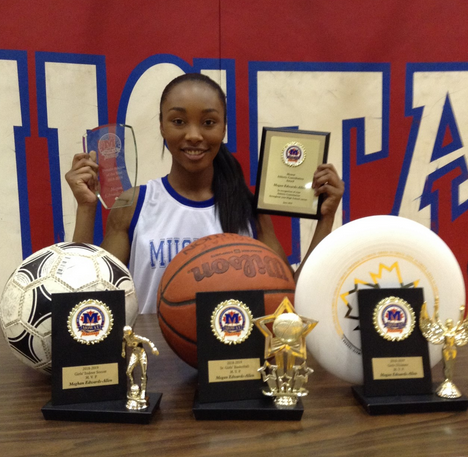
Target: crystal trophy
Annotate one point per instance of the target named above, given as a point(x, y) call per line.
point(116, 154)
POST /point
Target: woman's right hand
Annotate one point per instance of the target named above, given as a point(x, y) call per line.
point(83, 178)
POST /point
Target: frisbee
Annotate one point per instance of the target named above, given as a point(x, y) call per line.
point(372, 252)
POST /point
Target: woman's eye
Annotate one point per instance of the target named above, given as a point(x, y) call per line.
point(177, 121)
point(210, 122)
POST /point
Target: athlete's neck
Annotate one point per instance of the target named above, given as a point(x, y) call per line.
point(194, 186)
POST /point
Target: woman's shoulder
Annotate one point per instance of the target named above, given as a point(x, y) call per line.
point(122, 212)
point(127, 198)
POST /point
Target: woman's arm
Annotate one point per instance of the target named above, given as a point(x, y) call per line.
point(82, 179)
point(116, 239)
point(266, 234)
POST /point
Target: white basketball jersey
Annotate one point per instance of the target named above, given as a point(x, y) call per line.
point(163, 224)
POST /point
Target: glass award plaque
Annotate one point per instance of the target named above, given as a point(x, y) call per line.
point(116, 154)
point(287, 163)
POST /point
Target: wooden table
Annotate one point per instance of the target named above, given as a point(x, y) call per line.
point(333, 424)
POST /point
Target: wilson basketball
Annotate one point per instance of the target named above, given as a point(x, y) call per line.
point(216, 263)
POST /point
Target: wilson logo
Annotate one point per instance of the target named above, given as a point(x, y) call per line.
point(251, 265)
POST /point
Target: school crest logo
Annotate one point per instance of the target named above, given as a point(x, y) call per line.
point(90, 322)
point(109, 145)
point(293, 154)
point(232, 322)
point(394, 319)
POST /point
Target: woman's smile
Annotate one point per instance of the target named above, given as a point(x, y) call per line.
point(193, 152)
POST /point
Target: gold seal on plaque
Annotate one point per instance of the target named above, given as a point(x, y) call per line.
point(90, 321)
point(293, 154)
point(232, 322)
point(394, 318)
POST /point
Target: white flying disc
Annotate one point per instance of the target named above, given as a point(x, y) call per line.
point(382, 251)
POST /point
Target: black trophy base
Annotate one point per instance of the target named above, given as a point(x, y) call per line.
point(405, 404)
point(253, 409)
point(103, 411)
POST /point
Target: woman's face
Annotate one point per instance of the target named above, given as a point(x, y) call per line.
point(192, 123)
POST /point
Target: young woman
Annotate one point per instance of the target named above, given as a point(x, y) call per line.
point(203, 194)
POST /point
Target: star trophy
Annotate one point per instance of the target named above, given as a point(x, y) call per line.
point(116, 154)
point(450, 335)
point(136, 394)
point(284, 378)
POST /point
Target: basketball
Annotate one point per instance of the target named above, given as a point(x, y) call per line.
point(288, 327)
point(216, 263)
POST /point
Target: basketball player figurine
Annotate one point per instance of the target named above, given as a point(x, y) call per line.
point(287, 342)
point(136, 395)
point(451, 336)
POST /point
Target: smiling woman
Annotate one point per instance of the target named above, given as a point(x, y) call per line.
point(192, 123)
point(204, 193)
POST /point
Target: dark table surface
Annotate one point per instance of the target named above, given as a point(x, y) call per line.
point(333, 424)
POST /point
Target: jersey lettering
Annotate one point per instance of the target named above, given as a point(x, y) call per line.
point(163, 252)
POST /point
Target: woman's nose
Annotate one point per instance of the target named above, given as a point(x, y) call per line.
point(193, 133)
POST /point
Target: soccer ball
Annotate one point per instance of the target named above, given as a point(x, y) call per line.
point(25, 305)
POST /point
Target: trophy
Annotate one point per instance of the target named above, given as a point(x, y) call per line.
point(136, 394)
point(116, 154)
point(284, 378)
point(450, 335)
point(286, 166)
point(90, 378)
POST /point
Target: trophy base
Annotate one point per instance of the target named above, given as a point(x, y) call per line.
point(103, 411)
point(253, 409)
point(402, 404)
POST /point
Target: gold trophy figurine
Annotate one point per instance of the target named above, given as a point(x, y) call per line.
point(285, 379)
point(136, 395)
point(451, 336)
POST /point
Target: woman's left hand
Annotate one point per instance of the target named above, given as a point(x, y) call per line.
point(326, 182)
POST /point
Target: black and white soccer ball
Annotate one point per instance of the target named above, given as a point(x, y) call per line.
point(25, 305)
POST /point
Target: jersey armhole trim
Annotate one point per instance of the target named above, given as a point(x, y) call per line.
point(136, 214)
point(253, 227)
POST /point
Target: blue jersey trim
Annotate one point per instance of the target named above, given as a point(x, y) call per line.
point(253, 227)
point(136, 214)
point(183, 200)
